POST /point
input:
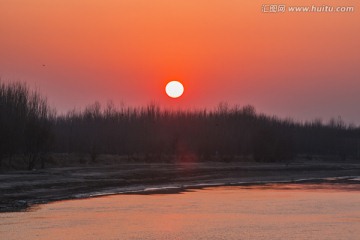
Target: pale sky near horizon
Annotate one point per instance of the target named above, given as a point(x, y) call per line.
point(299, 65)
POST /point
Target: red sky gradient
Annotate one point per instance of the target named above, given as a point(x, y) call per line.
point(302, 65)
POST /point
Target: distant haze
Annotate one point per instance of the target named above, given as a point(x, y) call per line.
point(300, 65)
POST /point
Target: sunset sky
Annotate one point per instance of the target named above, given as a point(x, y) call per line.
point(300, 65)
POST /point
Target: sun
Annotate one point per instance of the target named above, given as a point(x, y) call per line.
point(174, 89)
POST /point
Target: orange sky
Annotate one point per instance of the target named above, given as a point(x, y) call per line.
point(303, 65)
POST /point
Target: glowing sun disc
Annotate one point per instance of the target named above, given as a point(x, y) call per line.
point(174, 89)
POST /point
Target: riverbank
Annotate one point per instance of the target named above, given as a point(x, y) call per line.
point(20, 190)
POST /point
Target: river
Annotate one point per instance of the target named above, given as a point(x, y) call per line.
point(277, 211)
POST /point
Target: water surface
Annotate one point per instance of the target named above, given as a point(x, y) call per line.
point(271, 212)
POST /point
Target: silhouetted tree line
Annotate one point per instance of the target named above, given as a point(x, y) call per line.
point(221, 133)
point(29, 127)
point(25, 124)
